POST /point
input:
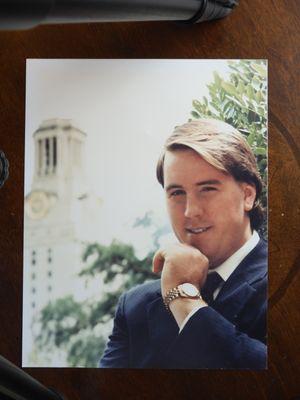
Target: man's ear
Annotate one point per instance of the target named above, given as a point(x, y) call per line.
point(249, 196)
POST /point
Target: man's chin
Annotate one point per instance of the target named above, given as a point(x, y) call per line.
point(199, 246)
point(213, 263)
point(196, 244)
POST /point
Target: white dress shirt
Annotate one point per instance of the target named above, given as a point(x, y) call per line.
point(227, 268)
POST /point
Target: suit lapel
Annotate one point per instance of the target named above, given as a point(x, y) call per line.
point(238, 288)
point(232, 302)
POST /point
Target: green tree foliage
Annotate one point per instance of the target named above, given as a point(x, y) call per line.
point(75, 327)
point(115, 260)
point(65, 325)
point(241, 100)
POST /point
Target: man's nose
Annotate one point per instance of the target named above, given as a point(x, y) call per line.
point(193, 207)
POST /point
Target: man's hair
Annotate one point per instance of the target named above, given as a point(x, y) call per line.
point(223, 147)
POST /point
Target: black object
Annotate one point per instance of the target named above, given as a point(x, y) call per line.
point(3, 168)
point(22, 14)
point(213, 280)
point(17, 385)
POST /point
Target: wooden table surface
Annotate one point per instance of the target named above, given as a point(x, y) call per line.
point(257, 29)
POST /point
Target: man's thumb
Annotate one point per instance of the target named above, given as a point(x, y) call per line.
point(158, 262)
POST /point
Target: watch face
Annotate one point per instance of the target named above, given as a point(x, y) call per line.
point(189, 289)
point(37, 205)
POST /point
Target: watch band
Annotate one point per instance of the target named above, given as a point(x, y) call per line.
point(175, 293)
point(171, 295)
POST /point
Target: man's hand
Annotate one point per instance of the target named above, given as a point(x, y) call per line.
point(180, 263)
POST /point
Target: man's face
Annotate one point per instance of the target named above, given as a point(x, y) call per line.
point(207, 208)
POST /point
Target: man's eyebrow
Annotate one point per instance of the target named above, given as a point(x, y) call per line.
point(201, 183)
point(209, 182)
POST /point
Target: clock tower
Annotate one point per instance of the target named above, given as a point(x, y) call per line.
point(59, 167)
point(61, 217)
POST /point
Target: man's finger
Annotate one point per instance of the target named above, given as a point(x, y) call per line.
point(158, 262)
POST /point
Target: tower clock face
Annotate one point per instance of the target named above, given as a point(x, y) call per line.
point(37, 205)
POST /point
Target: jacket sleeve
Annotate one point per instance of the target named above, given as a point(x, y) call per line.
point(208, 340)
point(116, 353)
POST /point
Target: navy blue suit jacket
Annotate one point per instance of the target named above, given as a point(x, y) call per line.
point(230, 333)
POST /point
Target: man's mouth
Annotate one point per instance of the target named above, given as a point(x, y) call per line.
point(198, 230)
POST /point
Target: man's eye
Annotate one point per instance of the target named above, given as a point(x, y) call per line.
point(176, 193)
point(208, 189)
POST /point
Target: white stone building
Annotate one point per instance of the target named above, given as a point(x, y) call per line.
point(61, 216)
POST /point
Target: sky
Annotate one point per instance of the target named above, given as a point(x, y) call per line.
point(127, 108)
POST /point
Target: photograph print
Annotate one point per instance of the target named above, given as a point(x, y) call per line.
point(145, 215)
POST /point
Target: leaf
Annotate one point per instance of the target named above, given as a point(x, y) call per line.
point(251, 138)
point(250, 92)
point(218, 80)
point(260, 69)
point(229, 88)
point(226, 106)
point(261, 111)
point(195, 114)
point(240, 87)
point(198, 106)
point(259, 97)
point(262, 164)
point(216, 106)
point(196, 103)
point(256, 83)
point(260, 151)
point(236, 101)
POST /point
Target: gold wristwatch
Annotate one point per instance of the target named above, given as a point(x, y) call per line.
point(185, 290)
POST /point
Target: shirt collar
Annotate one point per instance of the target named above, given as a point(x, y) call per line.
point(229, 265)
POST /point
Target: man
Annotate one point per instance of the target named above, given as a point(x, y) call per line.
point(209, 308)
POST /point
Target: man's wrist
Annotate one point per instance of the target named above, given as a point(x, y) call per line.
point(184, 290)
point(182, 307)
point(185, 305)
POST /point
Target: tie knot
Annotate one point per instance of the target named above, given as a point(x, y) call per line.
point(212, 282)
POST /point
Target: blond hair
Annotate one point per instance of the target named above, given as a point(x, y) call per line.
point(223, 147)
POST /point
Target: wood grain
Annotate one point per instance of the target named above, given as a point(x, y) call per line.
point(257, 29)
